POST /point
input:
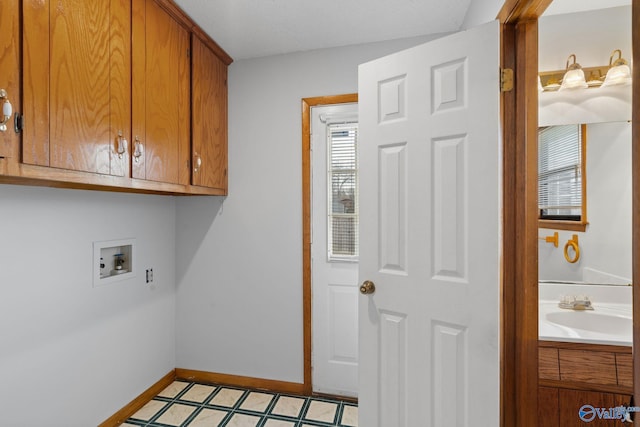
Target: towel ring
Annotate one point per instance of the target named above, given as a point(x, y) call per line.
point(572, 244)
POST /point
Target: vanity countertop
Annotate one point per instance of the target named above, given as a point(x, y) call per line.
point(610, 322)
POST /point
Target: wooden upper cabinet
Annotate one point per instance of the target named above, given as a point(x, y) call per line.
point(76, 85)
point(109, 91)
point(209, 117)
point(161, 84)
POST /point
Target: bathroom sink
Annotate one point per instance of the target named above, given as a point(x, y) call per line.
point(592, 321)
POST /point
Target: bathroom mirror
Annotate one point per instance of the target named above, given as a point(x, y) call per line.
point(605, 245)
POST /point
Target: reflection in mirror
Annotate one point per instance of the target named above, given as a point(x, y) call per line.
point(561, 176)
point(583, 311)
point(605, 245)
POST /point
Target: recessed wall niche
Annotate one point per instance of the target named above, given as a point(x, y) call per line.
point(113, 261)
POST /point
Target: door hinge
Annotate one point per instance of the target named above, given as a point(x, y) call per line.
point(506, 80)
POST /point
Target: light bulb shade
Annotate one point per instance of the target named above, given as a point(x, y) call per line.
point(540, 88)
point(618, 75)
point(574, 79)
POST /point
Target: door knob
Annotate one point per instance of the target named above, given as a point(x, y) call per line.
point(367, 287)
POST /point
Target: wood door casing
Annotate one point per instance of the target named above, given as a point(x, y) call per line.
point(307, 104)
point(76, 84)
point(519, 308)
point(161, 80)
point(519, 44)
point(208, 116)
point(635, 144)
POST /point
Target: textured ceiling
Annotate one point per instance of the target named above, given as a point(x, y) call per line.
point(253, 28)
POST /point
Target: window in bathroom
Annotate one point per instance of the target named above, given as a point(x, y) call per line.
point(342, 187)
point(561, 177)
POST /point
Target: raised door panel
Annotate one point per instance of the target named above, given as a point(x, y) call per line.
point(76, 61)
point(209, 117)
point(161, 126)
point(10, 71)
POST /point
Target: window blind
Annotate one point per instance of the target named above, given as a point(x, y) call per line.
point(559, 172)
point(343, 191)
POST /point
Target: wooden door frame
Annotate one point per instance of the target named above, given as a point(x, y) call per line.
point(635, 144)
point(519, 287)
point(307, 103)
point(519, 284)
point(519, 365)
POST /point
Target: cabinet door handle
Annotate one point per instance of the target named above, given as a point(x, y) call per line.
point(197, 162)
point(7, 110)
point(138, 149)
point(121, 144)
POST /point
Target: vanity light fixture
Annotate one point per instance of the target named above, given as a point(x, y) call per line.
point(619, 71)
point(595, 78)
point(574, 76)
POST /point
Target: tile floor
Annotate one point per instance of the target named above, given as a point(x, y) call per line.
point(185, 404)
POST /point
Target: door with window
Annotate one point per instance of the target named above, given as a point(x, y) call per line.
point(334, 249)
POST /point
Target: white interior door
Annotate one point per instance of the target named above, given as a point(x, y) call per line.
point(334, 255)
point(430, 197)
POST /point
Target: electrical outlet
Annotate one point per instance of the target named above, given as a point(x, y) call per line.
point(149, 275)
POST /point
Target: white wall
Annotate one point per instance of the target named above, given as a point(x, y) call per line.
point(606, 245)
point(239, 262)
point(481, 11)
point(72, 354)
point(591, 35)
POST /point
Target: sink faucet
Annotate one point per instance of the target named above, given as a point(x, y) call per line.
point(572, 302)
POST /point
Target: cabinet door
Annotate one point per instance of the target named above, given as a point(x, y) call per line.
point(548, 415)
point(209, 117)
point(76, 82)
point(570, 402)
point(10, 72)
point(161, 125)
